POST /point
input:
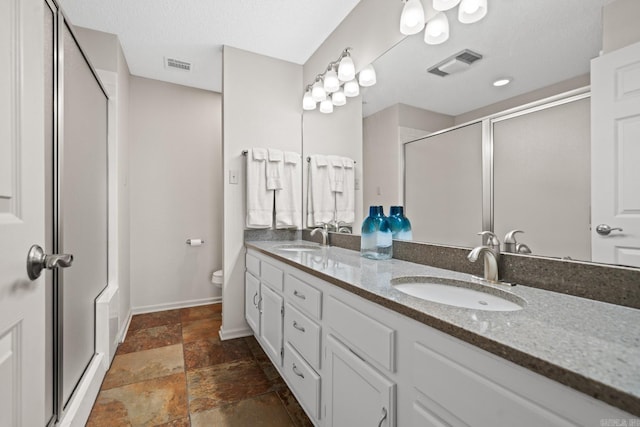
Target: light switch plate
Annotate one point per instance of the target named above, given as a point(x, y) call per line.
point(233, 176)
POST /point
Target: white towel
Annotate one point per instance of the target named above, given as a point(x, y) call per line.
point(259, 199)
point(289, 197)
point(320, 198)
point(274, 169)
point(345, 201)
point(336, 173)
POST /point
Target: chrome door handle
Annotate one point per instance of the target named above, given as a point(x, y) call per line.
point(604, 229)
point(38, 261)
point(298, 327)
point(298, 294)
point(295, 370)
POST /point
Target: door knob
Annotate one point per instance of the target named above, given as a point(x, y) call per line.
point(604, 229)
point(37, 261)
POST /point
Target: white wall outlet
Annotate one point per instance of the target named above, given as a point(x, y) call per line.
point(233, 176)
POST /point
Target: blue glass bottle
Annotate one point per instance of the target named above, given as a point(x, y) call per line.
point(376, 241)
point(400, 224)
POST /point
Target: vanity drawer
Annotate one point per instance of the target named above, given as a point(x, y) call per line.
point(304, 296)
point(272, 276)
point(304, 381)
point(253, 264)
point(303, 334)
point(368, 337)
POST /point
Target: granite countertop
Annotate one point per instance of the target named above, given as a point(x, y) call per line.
point(591, 346)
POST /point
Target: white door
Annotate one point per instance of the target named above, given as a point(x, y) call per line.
point(615, 156)
point(271, 322)
point(251, 302)
point(22, 180)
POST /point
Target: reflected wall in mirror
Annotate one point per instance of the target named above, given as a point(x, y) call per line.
point(542, 60)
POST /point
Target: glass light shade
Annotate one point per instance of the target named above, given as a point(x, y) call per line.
point(437, 30)
point(331, 82)
point(346, 69)
point(338, 98)
point(412, 18)
point(445, 4)
point(326, 106)
point(471, 11)
point(367, 76)
point(351, 88)
point(307, 102)
point(318, 94)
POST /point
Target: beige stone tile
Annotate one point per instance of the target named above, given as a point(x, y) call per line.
point(144, 365)
point(210, 311)
point(200, 329)
point(148, 338)
point(262, 411)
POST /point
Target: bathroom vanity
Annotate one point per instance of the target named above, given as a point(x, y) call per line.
point(355, 350)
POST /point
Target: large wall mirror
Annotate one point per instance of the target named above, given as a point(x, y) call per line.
point(526, 166)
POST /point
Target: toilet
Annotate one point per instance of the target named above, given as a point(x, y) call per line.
point(216, 278)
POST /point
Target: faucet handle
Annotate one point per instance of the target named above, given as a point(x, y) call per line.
point(511, 236)
point(492, 240)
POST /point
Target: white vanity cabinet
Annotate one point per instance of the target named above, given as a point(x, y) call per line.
point(252, 301)
point(351, 362)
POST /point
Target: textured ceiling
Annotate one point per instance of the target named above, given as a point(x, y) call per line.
point(195, 31)
point(538, 43)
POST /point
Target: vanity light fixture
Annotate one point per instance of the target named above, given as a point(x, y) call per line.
point(437, 30)
point(326, 106)
point(432, 17)
point(412, 18)
point(471, 11)
point(367, 76)
point(317, 91)
point(443, 5)
point(503, 81)
point(351, 88)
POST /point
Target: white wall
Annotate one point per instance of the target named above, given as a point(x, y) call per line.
point(175, 194)
point(262, 108)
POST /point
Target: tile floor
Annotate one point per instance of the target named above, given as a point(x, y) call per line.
point(173, 370)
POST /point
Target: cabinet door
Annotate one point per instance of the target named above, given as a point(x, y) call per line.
point(251, 300)
point(356, 394)
point(271, 323)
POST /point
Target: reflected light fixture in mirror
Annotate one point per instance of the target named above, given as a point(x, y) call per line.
point(367, 76)
point(351, 88)
point(471, 11)
point(437, 30)
point(307, 101)
point(412, 18)
point(326, 106)
point(331, 82)
point(502, 81)
point(318, 94)
point(338, 98)
point(346, 68)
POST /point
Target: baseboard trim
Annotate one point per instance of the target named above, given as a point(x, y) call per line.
point(122, 333)
point(174, 305)
point(234, 333)
point(85, 395)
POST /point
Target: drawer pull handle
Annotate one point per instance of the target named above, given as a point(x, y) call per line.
point(298, 327)
point(297, 372)
point(254, 299)
point(298, 294)
point(384, 416)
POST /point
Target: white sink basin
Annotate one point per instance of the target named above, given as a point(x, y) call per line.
point(297, 247)
point(458, 293)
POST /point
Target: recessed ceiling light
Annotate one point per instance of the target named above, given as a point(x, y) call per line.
point(502, 81)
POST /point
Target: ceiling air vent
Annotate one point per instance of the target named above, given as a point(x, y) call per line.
point(455, 64)
point(178, 65)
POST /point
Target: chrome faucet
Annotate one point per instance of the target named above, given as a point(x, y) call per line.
point(324, 230)
point(490, 262)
